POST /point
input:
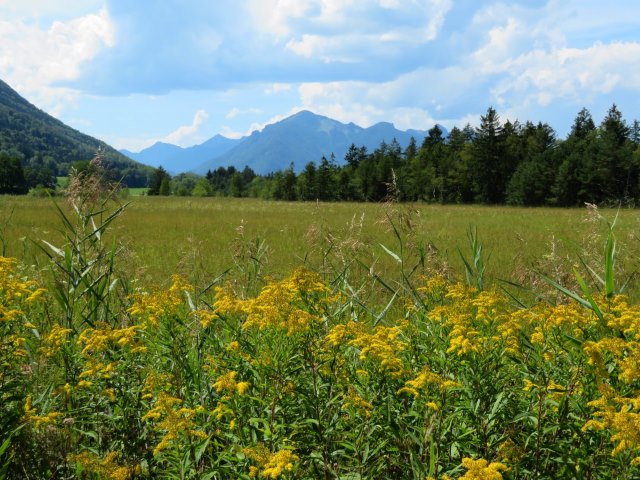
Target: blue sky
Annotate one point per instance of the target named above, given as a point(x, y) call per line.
point(133, 72)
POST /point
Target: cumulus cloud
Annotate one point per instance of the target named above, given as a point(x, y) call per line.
point(277, 88)
point(191, 44)
point(396, 24)
point(34, 59)
point(235, 111)
point(577, 74)
point(37, 9)
point(185, 134)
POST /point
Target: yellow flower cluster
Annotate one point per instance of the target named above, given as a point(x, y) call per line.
point(104, 338)
point(97, 340)
point(14, 290)
point(15, 296)
point(173, 421)
point(478, 321)
point(54, 340)
point(434, 288)
point(424, 379)
point(381, 346)
point(619, 413)
point(37, 420)
point(482, 470)
point(104, 468)
point(227, 383)
point(352, 399)
point(152, 306)
point(464, 336)
point(155, 382)
point(279, 305)
point(270, 465)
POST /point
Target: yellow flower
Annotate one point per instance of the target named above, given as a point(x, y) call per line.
point(482, 470)
point(423, 380)
point(282, 305)
point(354, 400)
point(270, 465)
point(433, 406)
point(621, 416)
point(54, 340)
point(242, 387)
point(381, 347)
point(152, 306)
point(105, 467)
point(37, 420)
point(174, 422)
point(537, 337)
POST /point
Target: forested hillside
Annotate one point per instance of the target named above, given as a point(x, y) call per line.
point(496, 163)
point(46, 147)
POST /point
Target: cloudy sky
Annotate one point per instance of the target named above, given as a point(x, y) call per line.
point(133, 72)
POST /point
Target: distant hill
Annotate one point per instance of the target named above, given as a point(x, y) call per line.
point(297, 139)
point(302, 138)
point(40, 140)
point(176, 159)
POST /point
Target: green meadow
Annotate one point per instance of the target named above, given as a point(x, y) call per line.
point(203, 237)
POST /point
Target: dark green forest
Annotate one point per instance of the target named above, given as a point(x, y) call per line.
point(46, 148)
point(495, 163)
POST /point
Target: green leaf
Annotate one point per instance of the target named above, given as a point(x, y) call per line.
point(566, 291)
point(587, 293)
point(609, 261)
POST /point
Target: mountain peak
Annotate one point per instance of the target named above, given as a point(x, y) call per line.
point(301, 138)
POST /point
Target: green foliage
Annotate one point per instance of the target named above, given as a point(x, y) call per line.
point(159, 177)
point(43, 142)
point(11, 175)
point(300, 378)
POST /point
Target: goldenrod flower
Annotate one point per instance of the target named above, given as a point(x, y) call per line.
point(482, 470)
point(174, 422)
point(270, 465)
point(105, 467)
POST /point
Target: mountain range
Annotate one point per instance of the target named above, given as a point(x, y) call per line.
point(297, 140)
point(43, 141)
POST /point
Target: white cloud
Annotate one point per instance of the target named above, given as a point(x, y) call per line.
point(235, 111)
point(345, 30)
point(40, 8)
point(366, 104)
point(33, 59)
point(276, 118)
point(184, 135)
point(228, 132)
point(273, 16)
point(570, 73)
point(277, 88)
point(133, 144)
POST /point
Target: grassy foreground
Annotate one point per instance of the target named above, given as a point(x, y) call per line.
point(364, 355)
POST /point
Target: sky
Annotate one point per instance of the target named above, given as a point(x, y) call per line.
point(134, 72)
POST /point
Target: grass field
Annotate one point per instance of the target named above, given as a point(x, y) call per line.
point(202, 237)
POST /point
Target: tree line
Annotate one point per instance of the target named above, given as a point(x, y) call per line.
point(496, 163)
